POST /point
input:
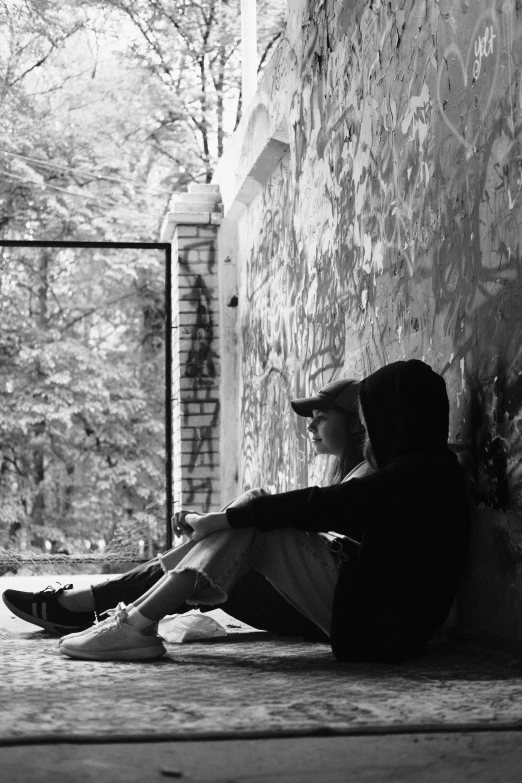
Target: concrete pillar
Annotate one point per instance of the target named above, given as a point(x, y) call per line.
point(192, 226)
point(229, 361)
point(248, 50)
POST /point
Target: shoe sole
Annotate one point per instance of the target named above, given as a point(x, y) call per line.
point(75, 634)
point(139, 654)
point(58, 630)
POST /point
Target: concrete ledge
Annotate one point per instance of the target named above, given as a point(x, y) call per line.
point(196, 187)
point(200, 204)
point(253, 154)
point(174, 219)
point(196, 198)
point(263, 168)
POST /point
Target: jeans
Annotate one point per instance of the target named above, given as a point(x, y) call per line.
point(282, 581)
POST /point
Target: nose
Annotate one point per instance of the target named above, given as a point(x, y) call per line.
point(312, 427)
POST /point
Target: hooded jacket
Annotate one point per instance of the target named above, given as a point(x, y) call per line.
point(411, 516)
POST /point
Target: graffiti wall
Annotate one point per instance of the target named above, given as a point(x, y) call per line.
point(391, 228)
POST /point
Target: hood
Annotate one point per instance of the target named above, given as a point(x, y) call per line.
point(406, 409)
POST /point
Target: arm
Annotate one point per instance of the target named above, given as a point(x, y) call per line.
point(413, 487)
point(349, 509)
point(343, 507)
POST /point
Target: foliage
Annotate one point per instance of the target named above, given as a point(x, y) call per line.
point(191, 51)
point(81, 432)
point(107, 108)
point(73, 132)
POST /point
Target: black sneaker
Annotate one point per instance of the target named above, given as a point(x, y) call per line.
point(43, 609)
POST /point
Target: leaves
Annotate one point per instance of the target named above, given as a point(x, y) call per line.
point(81, 427)
point(107, 108)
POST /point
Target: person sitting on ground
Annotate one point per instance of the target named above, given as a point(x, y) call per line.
point(335, 429)
point(410, 517)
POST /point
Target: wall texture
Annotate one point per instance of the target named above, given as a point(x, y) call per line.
point(389, 229)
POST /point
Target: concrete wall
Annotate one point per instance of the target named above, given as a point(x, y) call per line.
point(374, 187)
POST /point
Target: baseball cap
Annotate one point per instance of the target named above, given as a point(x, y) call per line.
point(342, 395)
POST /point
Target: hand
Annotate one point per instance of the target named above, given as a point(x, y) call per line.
point(202, 525)
point(179, 526)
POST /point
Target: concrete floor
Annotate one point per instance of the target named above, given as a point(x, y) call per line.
point(440, 758)
point(477, 757)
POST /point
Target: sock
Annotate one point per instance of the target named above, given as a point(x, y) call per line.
point(137, 619)
point(77, 600)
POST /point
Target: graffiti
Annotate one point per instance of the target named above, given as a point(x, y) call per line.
point(394, 229)
point(281, 67)
point(202, 250)
point(200, 362)
point(466, 86)
point(478, 251)
point(196, 387)
point(201, 436)
point(195, 490)
point(483, 48)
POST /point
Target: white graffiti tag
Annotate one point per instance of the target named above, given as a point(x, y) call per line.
point(483, 48)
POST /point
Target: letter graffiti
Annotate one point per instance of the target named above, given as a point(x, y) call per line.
point(466, 88)
point(483, 49)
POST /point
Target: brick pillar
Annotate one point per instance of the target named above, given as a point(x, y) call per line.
point(192, 227)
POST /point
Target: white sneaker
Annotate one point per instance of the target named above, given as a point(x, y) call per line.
point(110, 614)
point(114, 640)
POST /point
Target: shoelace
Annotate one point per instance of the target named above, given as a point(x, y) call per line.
point(114, 620)
point(51, 589)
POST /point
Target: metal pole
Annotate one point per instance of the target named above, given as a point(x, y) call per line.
point(168, 392)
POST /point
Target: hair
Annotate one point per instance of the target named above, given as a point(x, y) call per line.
point(368, 454)
point(341, 467)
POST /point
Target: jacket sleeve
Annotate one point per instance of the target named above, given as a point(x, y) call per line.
point(344, 508)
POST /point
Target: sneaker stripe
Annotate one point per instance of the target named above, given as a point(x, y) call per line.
point(39, 610)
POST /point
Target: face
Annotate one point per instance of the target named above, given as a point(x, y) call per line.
point(330, 431)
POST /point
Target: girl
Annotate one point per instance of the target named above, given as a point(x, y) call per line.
point(264, 603)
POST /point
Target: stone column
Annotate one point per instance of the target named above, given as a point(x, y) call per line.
point(192, 226)
point(248, 50)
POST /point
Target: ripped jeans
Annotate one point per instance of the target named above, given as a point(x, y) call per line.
point(301, 566)
point(300, 575)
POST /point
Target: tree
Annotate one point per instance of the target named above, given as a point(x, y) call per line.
point(77, 459)
point(107, 107)
point(75, 158)
point(81, 447)
point(191, 52)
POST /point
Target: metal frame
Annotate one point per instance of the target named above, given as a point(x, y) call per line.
point(166, 247)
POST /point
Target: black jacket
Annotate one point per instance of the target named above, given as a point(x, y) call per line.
point(411, 515)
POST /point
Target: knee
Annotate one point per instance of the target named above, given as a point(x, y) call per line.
point(256, 492)
point(244, 498)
